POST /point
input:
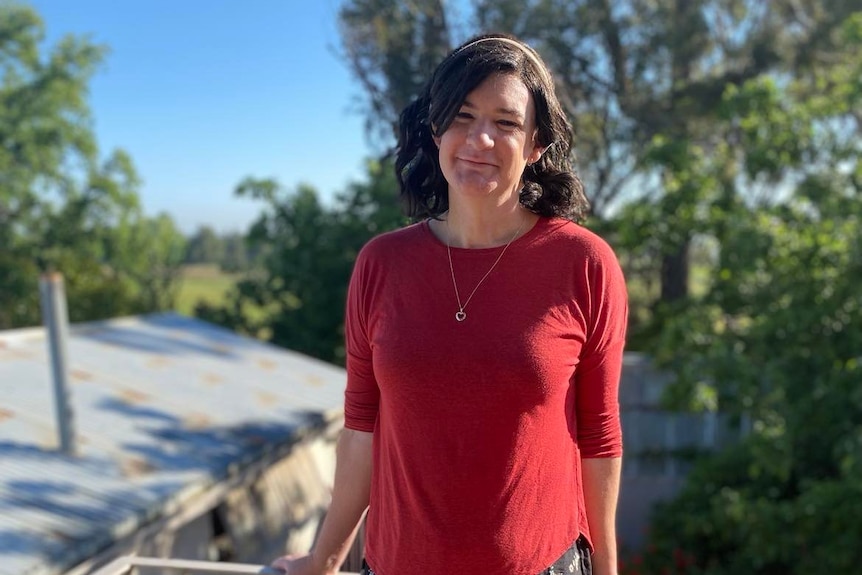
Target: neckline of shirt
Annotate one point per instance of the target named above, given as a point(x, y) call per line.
point(543, 224)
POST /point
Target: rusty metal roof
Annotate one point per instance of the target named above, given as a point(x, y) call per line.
point(163, 404)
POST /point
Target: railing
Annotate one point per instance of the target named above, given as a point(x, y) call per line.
point(125, 565)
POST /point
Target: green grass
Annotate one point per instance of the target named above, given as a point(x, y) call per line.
point(203, 282)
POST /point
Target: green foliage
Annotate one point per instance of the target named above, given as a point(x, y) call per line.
point(777, 336)
point(229, 251)
point(308, 254)
point(391, 47)
point(237, 255)
point(737, 516)
point(205, 247)
point(61, 208)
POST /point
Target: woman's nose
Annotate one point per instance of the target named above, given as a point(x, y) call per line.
point(481, 135)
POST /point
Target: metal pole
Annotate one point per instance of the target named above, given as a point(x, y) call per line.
point(56, 319)
point(670, 444)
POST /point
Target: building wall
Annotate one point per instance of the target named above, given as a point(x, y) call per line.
point(659, 446)
point(271, 508)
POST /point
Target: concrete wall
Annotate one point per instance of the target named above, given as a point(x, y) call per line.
point(658, 446)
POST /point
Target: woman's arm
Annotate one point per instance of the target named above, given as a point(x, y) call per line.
point(601, 481)
point(350, 495)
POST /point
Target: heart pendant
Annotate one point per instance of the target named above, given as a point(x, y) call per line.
point(460, 316)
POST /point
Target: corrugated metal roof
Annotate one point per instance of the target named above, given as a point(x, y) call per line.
point(163, 404)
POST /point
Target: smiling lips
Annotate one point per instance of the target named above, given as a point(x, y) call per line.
point(476, 162)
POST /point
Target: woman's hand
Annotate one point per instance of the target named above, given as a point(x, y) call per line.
point(349, 500)
point(298, 565)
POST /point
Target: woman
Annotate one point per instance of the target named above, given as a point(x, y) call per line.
point(484, 345)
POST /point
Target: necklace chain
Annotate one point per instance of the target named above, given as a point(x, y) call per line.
point(461, 315)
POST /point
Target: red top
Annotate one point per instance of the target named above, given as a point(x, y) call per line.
point(479, 426)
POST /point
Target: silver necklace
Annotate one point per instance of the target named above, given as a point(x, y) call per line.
point(461, 315)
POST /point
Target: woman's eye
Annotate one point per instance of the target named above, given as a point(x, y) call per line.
point(508, 124)
point(463, 116)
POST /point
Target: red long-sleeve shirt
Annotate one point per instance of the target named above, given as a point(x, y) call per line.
point(480, 426)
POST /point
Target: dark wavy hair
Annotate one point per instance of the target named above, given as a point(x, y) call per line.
point(551, 186)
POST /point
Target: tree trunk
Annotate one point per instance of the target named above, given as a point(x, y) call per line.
point(674, 274)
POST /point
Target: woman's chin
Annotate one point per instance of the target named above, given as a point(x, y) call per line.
point(475, 188)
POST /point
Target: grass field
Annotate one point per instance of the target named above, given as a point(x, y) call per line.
point(202, 282)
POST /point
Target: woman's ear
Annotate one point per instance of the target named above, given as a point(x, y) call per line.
point(538, 150)
point(536, 155)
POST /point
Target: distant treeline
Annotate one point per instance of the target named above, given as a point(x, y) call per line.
point(231, 251)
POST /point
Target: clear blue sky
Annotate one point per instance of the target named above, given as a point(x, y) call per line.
point(202, 93)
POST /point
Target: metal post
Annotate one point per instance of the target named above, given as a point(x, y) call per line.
point(710, 430)
point(56, 319)
point(670, 444)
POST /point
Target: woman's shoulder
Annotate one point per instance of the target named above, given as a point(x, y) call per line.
point(588, 256)
point(568, 236)
point(388, 244)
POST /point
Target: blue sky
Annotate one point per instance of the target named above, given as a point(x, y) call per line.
point(202, 93)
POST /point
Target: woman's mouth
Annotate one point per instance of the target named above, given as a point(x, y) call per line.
point(476, 161)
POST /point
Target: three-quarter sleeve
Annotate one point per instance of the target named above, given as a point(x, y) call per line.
point(362, 396)
point(598, 372)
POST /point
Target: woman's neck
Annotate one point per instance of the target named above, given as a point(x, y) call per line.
point(471, 226)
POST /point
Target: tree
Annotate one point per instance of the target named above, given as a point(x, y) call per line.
point(308, 254)
point(148, 253)
point(777, 336)
point(61, 207)
point(236, 256)
point(627, 72)
point(391, 47)
point(205, 247)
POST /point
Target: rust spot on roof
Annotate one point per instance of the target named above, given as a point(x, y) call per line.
point(220, 349)
point(266, 398)
point(135, 466)
point(46, 439)
point(266, 364)
point(65, 537)
point(212, 379)
point(133, 396)
point(314, 380)
point(12, 353)
point(6, 414)
point(196, 421)
point(158, 361)
point(81, 375)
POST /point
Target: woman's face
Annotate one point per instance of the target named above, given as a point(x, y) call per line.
point(491, 140)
